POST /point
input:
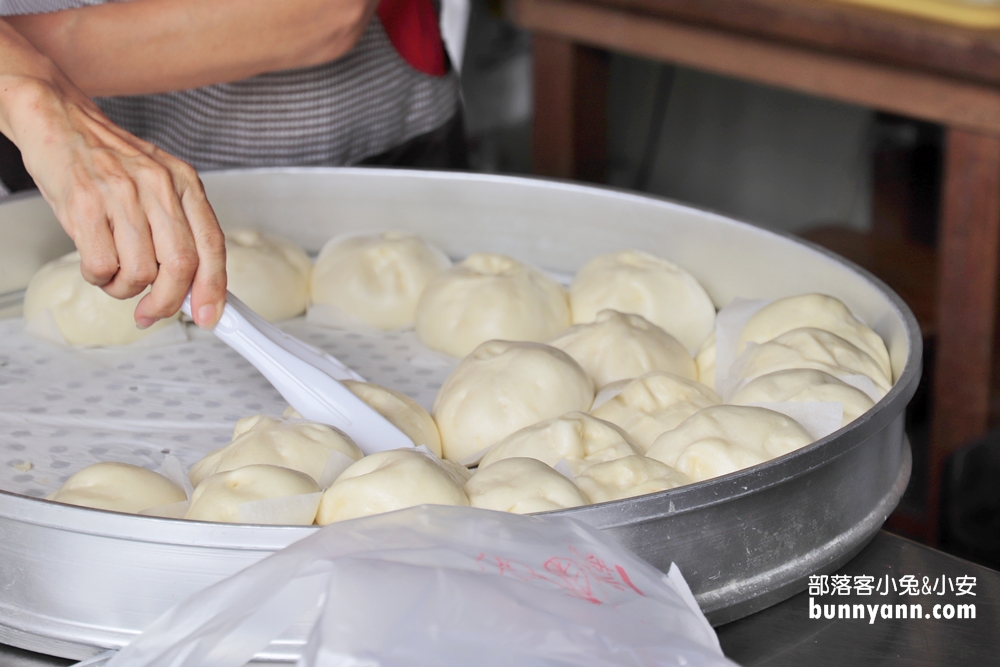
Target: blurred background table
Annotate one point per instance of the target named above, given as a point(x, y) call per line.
point(927, 70)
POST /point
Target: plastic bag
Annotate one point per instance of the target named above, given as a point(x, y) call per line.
point(443, 586)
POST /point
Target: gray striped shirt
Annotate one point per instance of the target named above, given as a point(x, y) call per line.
point(338, 113)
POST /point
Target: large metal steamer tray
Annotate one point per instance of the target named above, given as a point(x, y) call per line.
point(74, 581)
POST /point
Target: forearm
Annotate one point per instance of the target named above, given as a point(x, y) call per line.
point(24, 75)
point(149, 46)
point(138, 216)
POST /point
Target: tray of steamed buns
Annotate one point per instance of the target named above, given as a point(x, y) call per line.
point(656, 371)
point(517, 425)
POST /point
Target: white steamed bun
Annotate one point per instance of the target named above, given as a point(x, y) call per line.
point(804, 385)
point(378, 278)
point(219, 497)
point(705, 361)
point(814, 311)
point(388, 481)
point(489, 296)
point(575, 437)
point(636, 282)
point(267, 273)
point(118, 487)
point(405, 414)
point(653, 403)
point(289, 443)
point(628, 477)
point(522, 486)
point(85, 315)
point(811, 348)
point(726, 438)
point(502, 387)
point(618, 346)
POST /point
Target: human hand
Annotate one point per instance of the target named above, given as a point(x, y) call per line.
point(138, 216)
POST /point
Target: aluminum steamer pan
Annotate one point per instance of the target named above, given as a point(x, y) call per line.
point(73, 581)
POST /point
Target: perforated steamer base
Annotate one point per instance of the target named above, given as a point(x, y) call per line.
point(62, 409)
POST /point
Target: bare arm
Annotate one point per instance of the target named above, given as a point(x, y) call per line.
point(138, 216)
point(150, 46)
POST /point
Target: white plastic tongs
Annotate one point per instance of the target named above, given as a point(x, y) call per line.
point(306, 376)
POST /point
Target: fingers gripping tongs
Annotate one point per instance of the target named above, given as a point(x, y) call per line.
point(305, 376)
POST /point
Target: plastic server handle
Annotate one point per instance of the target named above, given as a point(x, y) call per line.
point(306, 376)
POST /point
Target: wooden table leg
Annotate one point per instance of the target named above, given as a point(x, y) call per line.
point(968, 246)
point(569, 138)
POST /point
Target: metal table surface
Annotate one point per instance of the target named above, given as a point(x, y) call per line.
point(786, 635)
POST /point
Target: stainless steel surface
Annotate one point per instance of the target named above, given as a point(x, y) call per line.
point(11, 299)
point(76, 580)
point(10, 302)
point(17, 657)
point(785, 636)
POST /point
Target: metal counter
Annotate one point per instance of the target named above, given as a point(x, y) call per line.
point(785, 635)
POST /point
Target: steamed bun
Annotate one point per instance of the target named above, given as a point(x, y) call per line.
point(502, 387)
point(575, 437)
point(814, 349)
point(388, 481)
point(628, 477)
point(289, 443)
point(636, 282)
point(522, 486)
point(267, 273)
point(118, 487)
point(219, 497)
point(815, 311)
point(618, 346)
point(726, 438)
point(84, 314)
point(405, 414)
point(378, 278)
point(804, 385)
point(489, 296)
point(656, 402)
point(705, 361)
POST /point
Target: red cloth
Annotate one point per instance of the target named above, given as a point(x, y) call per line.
point(412, 26)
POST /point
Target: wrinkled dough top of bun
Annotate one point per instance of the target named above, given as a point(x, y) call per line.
point(813, 349)
point(268, 273)
point(85, 315)
point(387, 481)
point(805, 385)
point(218, 498)
point(376, 277)
point(653, 403)
point(118, 487)
point(522, 486)
point(502, 387)
point(724, 438)
point(618, 346)
point(289, 443)
point(575, 437)
point(632, 281)
point(489, 296)
point(815, 311)
point(628, 477)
